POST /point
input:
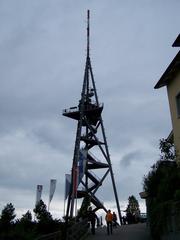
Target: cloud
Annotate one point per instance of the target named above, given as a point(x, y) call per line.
point(129, 158)
point(26, 162)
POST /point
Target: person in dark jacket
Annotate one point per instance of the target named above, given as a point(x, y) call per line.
point(92, 219)
point(114, 220)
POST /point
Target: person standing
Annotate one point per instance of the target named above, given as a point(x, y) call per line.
point(114, 219)
point(92, 218)
point(109, 218)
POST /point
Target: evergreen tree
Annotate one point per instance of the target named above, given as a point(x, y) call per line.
point(133, 206)
point(46, 224)
point(84, 207)
point(27, 217)
point(25, 226)
point(41, 212)
point(161, 185)
point(7, 216)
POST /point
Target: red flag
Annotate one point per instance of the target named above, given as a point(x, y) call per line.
point(75, 180)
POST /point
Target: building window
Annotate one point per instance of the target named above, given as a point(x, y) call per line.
point(178, 104)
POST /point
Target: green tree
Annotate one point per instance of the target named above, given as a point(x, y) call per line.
point(133, 206)
point(7, 216)
point(25, 228)
point(167, 150)
point(163, 179)
point(41, 212)
point(26, 218)
point(162, 187)
point(46, 224)
point(84, 207)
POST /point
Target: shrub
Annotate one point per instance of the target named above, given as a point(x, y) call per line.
point(162, 185)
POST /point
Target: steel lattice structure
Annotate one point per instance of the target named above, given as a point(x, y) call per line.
point(90, 135)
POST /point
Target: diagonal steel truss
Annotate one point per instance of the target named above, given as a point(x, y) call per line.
point(90, 136)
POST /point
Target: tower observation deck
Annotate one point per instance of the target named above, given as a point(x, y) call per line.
point(91, 159)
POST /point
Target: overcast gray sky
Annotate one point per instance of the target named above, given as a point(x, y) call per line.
point(42, 59)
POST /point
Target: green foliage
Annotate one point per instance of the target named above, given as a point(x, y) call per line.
point(162, 185)
point(41, 212)
point(46, 224)
point(25, 223)
point(177, 195)
point(133, 206)
point(162, 181)
point(25, 228)
point(167, 150)
point(7, 216)
point(158, 218)
point(84, 207)
point(27, 217)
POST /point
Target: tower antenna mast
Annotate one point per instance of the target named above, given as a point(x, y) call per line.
point(88, 32)
point(90, 141)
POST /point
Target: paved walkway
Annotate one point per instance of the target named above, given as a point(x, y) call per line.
point(125, 232)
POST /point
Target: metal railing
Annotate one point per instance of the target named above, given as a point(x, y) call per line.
point(87, 107)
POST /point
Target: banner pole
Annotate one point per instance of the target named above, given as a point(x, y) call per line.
point(48, 205)
point(64, 195)
point(64, 206)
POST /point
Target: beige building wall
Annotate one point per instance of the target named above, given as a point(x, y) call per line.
point(173, 89)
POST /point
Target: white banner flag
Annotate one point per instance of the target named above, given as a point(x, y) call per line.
point(38, 193)
point(82, 163)
point(52, 189)
point(67, 184)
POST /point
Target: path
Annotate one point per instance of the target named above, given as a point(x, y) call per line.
point(125, 232)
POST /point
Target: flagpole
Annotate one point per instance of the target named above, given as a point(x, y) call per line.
point(49, 196)
point(48, 205)
point(64, 206)
point(77, 183)
point(76, 205)
point(64, 195)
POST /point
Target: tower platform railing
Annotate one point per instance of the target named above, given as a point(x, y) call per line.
point(89, 106)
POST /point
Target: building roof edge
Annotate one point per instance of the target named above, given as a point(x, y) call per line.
point(171, 71)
